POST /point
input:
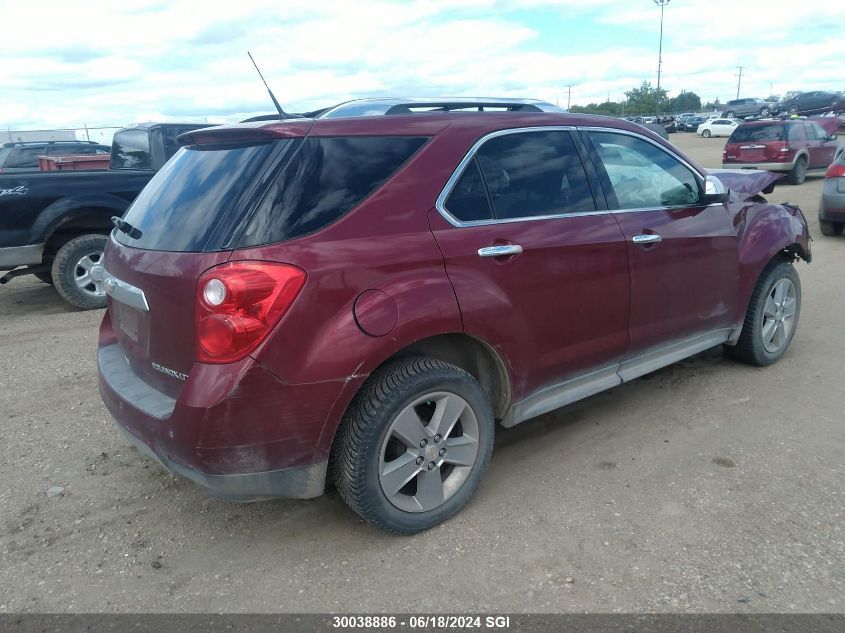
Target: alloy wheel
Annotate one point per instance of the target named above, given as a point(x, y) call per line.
point(779, 315)
point(82, 274)
point(428, 451)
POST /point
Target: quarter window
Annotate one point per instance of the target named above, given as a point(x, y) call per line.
point(468, 201)
point(323, 181)
point(643, 176)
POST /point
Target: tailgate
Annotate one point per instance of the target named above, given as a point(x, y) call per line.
point(152, 305)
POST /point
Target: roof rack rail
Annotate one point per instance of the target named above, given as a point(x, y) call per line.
point(25, 143)
point(450, 106)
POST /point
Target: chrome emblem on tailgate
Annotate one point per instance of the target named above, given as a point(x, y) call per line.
point(169, 372)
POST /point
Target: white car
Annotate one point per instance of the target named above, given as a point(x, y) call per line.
point(717, 127)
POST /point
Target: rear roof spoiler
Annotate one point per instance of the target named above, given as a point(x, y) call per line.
point(257, 131)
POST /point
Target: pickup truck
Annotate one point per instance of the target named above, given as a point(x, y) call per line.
point(54, 225)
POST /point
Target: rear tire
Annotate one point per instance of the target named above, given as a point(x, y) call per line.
point(70, 272)
point(706, 134)
point(764, 113)
point(730, 115)
point(772, 316)
point(394, 464)
point(831, 229)
point(798, 173)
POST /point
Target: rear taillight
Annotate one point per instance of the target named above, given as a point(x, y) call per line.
point(837, 170)
point(238, 304)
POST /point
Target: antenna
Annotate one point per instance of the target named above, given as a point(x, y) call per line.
point(282, 113)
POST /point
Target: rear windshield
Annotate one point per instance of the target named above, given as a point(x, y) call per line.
point(773, 132)
point(209, 198)
point(131, 150)
point(195, 201)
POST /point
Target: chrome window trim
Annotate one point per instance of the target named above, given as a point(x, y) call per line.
point(440, 203)
point(614, 130)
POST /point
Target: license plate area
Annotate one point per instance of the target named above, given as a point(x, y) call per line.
point(132, 326)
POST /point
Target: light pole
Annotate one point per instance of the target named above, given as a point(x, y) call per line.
point(661, 4)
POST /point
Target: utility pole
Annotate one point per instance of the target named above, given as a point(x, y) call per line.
point(739, 80)
point(661, 4)
point(568, 96)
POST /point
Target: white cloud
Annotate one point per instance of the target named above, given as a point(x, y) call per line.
point(112, 64)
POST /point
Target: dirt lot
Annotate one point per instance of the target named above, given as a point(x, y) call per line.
point(709, 486)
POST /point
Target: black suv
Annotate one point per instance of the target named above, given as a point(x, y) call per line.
point(814, 102)
point(23, 156)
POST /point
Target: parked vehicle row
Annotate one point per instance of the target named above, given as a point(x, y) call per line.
point(359, 300)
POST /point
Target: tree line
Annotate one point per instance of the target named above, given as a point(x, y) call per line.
point(648, 100)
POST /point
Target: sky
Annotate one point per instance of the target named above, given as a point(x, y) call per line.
point(113, 63)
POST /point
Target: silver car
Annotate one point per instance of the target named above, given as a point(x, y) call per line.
point(741, 108)
point(832, 209)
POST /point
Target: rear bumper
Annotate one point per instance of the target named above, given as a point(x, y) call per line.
point(765, 166)
point(832, 207)
point(304, 482)
point(234, 429)
point(14, 256)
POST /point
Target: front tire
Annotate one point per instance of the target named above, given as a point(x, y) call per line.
point(71, 272)
point(414, 444)
point(764, 112)
point(706, 134)
point(772, 316)
point(831, 229)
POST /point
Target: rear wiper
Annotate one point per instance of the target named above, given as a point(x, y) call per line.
point(124, 226)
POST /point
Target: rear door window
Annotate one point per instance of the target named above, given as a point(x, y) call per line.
point(324, 180)
point(797, 132)
point(643, 176)
point(534, 174)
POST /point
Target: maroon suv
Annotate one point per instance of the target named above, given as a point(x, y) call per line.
point(793, 147)
point(358, 300)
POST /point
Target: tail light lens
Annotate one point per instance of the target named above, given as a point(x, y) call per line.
point(776, 150)
point(837, 170)
point(239, 303)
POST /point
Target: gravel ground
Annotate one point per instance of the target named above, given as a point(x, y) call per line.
point(708, 486)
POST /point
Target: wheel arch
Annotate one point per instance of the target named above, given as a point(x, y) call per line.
point(471, 354)
point(69, 217)
point(476, 357)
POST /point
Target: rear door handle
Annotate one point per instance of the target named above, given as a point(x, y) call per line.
point(647, 238)
point(504, 250)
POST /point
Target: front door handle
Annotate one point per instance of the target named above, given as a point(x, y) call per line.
point(647, 238)
point(504, 250)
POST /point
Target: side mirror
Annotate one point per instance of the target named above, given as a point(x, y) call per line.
point(715, 191)
point(832, 137)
